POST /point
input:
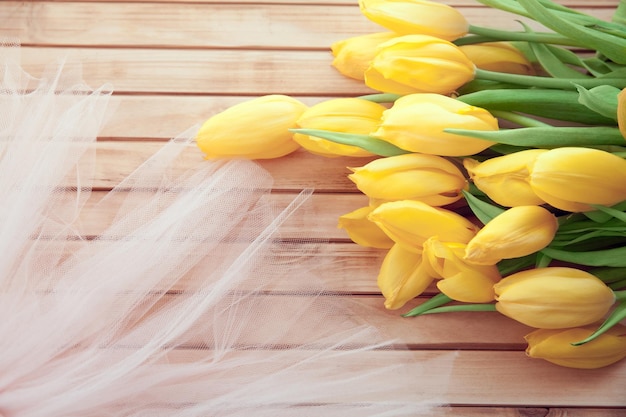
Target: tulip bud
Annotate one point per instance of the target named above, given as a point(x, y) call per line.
point(505, 179)
point(255, 129)
point(410, 223)
point(348, 115)
point(461, 281)
point(621, 112)
point(416, 123)
point(553, 297)
point(555, 345)
point(401, 277)
point(573, 178)
point(499, 57)
point(416, 17)
point(354, 55)
point(428, 178)
point(363, 231)
point(418, 64)
point(517, 232)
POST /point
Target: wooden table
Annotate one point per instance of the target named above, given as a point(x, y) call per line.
point(174, 63)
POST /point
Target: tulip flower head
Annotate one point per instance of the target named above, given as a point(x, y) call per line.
point(555, 345)
point(363, 231)
point(418, 64)
point(572, 178)
point(402, 277)
point(350, 115)
point(416, 123)
point(506, 179)
point(410, 223)
point(428, 178)
point(354, 55)
point(254, 129)
point(517, 232)
point(459, 279)
point(553, 297)
point(499, 57)
point(416, 17)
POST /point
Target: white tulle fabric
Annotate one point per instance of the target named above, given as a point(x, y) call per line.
point(170, 307)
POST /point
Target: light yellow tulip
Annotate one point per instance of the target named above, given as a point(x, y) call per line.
point(401, 277)
point(506, 179)
point(254, 129)
point(349, 115)
point(363, 231)
point(460, 280)
point(410, 223)
point(416, 123)
point(416, 17)
point(555, 345)
point(418, 64)
point(354, 55)
point(572, 178)
point(428, 178)
point(517, 232)
point(499, 57)
point(553, 297)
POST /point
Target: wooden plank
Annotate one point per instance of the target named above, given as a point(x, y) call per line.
point(116, 160)
point(319, 220)
point(177, 24)
point(480, 378)
point(198, 72)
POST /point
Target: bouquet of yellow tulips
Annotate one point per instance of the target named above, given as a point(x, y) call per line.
point(499, 169)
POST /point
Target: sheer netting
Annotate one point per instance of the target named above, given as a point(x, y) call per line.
point(197, 297)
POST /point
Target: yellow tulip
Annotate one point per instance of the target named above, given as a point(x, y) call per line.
point(621, 112)
point(416, 123)
point(506, 179)
point(553, 297)
point(254, 129)
point(354, 55)
point(573, 178)
point(428, 178)
point(517, 232)
point(499, 57)
point(401, 277)
point(350, 115)
point(363, 231)
point(416, 17)
point(555, 345)
point(410, 223)
point(418, 64)
point(460, 280)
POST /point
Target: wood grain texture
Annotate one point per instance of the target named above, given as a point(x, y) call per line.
point(174, 63)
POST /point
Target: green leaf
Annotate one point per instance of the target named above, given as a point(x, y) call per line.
point(547, 103)
point(609, 275)
point(510, 266)
point(613, 47)
point(615, 257)
point(601, 216)
point(481, 209)
point(602, 100)
point(435, 301)
point(369, 143)
point(548, 137)
point(618, 314)
point(462, 307)
point(611, 211)
point(552, 64)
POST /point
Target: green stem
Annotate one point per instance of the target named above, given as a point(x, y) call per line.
point(548, 82)
point(516, 118)
point(505, 35)
point(463, 307)
point(620, 295)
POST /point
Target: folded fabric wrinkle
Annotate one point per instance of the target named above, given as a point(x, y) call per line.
point(171, 307)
